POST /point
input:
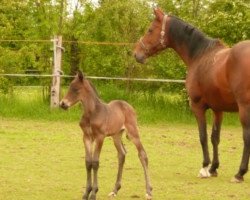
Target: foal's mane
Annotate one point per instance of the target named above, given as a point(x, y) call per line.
point(184, 33)
point(94, 91)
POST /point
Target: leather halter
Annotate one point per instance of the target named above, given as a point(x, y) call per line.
point(163, 32)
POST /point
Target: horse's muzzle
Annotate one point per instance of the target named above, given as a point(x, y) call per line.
point(140, 58)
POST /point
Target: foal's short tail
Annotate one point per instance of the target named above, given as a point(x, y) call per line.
point(130, 122)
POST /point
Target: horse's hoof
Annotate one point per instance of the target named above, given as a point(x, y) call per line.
point(237, 180)
point(204, 173)
point(148, 196)
point(112, 194)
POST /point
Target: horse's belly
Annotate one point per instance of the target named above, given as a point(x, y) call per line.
point(219, 101)
point(232, 107)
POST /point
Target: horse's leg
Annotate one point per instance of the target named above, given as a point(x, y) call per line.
point(121, 159)
point(134, 136)
point(95, 165)
point(88, 162)
point(199, 112)
point(244, 112)
point(215, 139)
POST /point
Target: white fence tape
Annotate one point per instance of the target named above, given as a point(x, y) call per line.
point(98, 77)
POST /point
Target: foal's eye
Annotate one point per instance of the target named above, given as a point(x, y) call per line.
point(75, 90)
point(150, 30)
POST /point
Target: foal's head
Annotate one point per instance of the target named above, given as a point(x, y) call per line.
point(80, 89)
point(156, 39)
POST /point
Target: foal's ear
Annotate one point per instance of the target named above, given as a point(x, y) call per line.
point(80, 75)
point(158, 13)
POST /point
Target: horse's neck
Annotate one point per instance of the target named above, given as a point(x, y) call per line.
point(183, 53)
point(189, 43)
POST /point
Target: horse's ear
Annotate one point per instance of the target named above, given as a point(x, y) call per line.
point(158, 13)
point(80, 75)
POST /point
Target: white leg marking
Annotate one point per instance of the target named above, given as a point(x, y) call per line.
point(112, 194)
point(204, 173)
point(148, 197)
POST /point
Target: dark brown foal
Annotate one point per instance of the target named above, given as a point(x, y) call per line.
point(98, 121)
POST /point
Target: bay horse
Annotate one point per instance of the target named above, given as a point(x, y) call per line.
point(98, 121)
point(218, 78)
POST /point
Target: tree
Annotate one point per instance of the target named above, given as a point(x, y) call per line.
point(110, 22)
point(229, 20)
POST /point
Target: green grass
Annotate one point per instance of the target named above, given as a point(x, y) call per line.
point(28, 103)
point(45, 160)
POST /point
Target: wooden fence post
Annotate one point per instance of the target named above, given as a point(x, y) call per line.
point(55, 87)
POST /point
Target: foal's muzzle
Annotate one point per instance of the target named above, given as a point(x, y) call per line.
point(64, 105)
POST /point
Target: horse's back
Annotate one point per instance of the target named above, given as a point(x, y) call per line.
point(240, 54)
point(238, 67)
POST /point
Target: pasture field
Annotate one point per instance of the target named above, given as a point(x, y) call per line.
point(42, 159)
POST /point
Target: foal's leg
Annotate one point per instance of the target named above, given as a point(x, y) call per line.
point(201, 120)
point(244, 112)
point(95, 165)
point(121, 159)
point(215, 139)
point(88, 162)
point(134, 136)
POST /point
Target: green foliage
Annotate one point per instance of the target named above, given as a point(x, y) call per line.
point(5, 86)
point(107, 21)
point(229, 21)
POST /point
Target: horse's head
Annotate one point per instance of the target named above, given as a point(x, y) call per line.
point(74, 93)
point(155, 40)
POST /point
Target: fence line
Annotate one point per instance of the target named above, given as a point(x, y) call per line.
point(70, 41)
point(97, 77)
point(35, 41)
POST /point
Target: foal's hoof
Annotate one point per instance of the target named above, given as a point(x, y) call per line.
point(148, 196)
point(92, 197)
point(204, 173)
point(112, 194)
point(237, 180)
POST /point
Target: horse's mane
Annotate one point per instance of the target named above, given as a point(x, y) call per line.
point(184, 33)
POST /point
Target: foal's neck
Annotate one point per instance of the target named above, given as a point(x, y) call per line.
point(90, 100)
point(90, 105)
